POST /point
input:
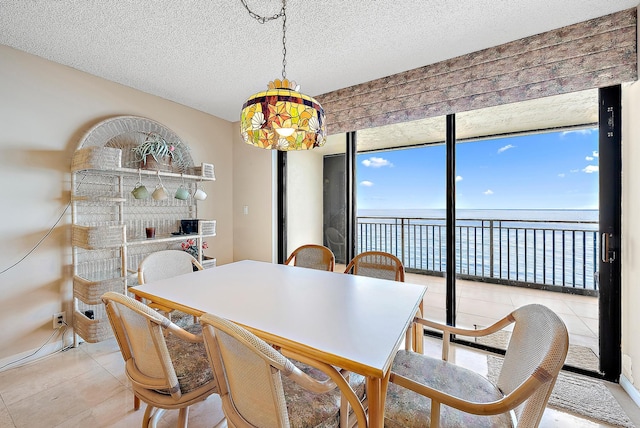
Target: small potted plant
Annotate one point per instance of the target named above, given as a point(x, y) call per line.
point(157, 153)
point(191, 247)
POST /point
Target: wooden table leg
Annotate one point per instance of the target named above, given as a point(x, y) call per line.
point(376, 394)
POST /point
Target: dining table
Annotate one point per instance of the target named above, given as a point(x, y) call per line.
point(353, 322)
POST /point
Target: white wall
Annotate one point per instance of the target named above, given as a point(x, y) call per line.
point(631, 238)
point(45, 108)
point(304, 195)
point(253, 169)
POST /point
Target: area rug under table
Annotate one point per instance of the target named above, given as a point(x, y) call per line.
point(578, 394)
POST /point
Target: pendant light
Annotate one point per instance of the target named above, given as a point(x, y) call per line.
point(281, 117)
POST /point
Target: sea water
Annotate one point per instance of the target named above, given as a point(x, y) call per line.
point(552, 247)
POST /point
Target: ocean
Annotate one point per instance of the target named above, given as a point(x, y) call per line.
point(550, 247)
point(503, 214)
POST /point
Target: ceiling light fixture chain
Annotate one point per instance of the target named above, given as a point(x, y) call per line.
point(284, 39)
point(264, 19)
point(282, 118)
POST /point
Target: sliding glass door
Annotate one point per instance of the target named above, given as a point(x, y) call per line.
point(530, 198)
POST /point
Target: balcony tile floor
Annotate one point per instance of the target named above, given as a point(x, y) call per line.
point(480, 303)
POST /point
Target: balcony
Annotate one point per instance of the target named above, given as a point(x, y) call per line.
point(501, 265)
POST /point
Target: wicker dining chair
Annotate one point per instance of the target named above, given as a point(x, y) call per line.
point(261, 387)
point(312, 256)
point(161, 265)
point(377, 264)
point(165, 264)
point(432, 392)
point(166, 372)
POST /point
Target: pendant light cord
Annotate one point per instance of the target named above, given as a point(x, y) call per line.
point(264, 19)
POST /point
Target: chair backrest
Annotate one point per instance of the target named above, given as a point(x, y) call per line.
point(166, 264)
point(377, 264)
point(312, 256)
point(138, 331)
point(253, 392)
point(537, 348)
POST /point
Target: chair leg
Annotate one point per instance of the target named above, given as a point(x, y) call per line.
point(154, 417)
point(183, 417)
point(147, 416)
point(435, 414)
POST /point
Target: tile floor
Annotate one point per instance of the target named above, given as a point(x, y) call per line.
point(86, 386)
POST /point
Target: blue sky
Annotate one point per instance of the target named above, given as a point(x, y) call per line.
point(543, 171)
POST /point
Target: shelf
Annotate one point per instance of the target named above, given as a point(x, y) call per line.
point(98, 199)
point(108, 223)
point(208, 169)
point(167, 238)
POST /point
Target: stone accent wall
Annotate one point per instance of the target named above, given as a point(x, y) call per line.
point(591, 54)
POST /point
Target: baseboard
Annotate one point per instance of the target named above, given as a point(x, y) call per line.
point(35, 354)
point(630, 390)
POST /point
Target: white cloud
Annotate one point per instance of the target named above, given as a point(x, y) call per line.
point(561, 175)
point(579, 131)
point(366, 183)
point(596, 154)
point(488, 192)
point(458, 178)
point(505, 148)
point(375, 162)
point(589, 158)
point(589, 169)
point(574, 170)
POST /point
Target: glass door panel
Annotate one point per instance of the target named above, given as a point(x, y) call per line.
point(527, 217)
point(401, 191)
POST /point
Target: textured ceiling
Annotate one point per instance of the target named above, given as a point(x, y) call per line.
point(211, 55)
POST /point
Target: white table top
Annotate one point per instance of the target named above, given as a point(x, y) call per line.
point(350, 321)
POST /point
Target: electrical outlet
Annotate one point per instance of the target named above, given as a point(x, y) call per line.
point(59, 319)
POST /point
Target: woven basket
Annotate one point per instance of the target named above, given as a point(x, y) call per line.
point(90, 291)
point(207, 227)
point(108, 158)
point(206, 170)
point(208, 262)
point(92, 330)
point(97, 237)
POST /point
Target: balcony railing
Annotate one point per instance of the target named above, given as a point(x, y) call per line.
point(547, 254)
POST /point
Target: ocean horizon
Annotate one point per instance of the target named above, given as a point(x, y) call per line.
point(565, 215)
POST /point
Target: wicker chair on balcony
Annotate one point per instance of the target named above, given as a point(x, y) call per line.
point(312, 256)
point(432, 392)
point(166, 371)
point(336, 242)
point(260, 387)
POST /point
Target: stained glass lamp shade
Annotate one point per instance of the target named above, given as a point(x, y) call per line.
point(282, 118)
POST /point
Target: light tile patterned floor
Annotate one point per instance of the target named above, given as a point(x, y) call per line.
point(86, 386)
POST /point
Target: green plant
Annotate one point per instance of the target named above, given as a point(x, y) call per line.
point(156, 146)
